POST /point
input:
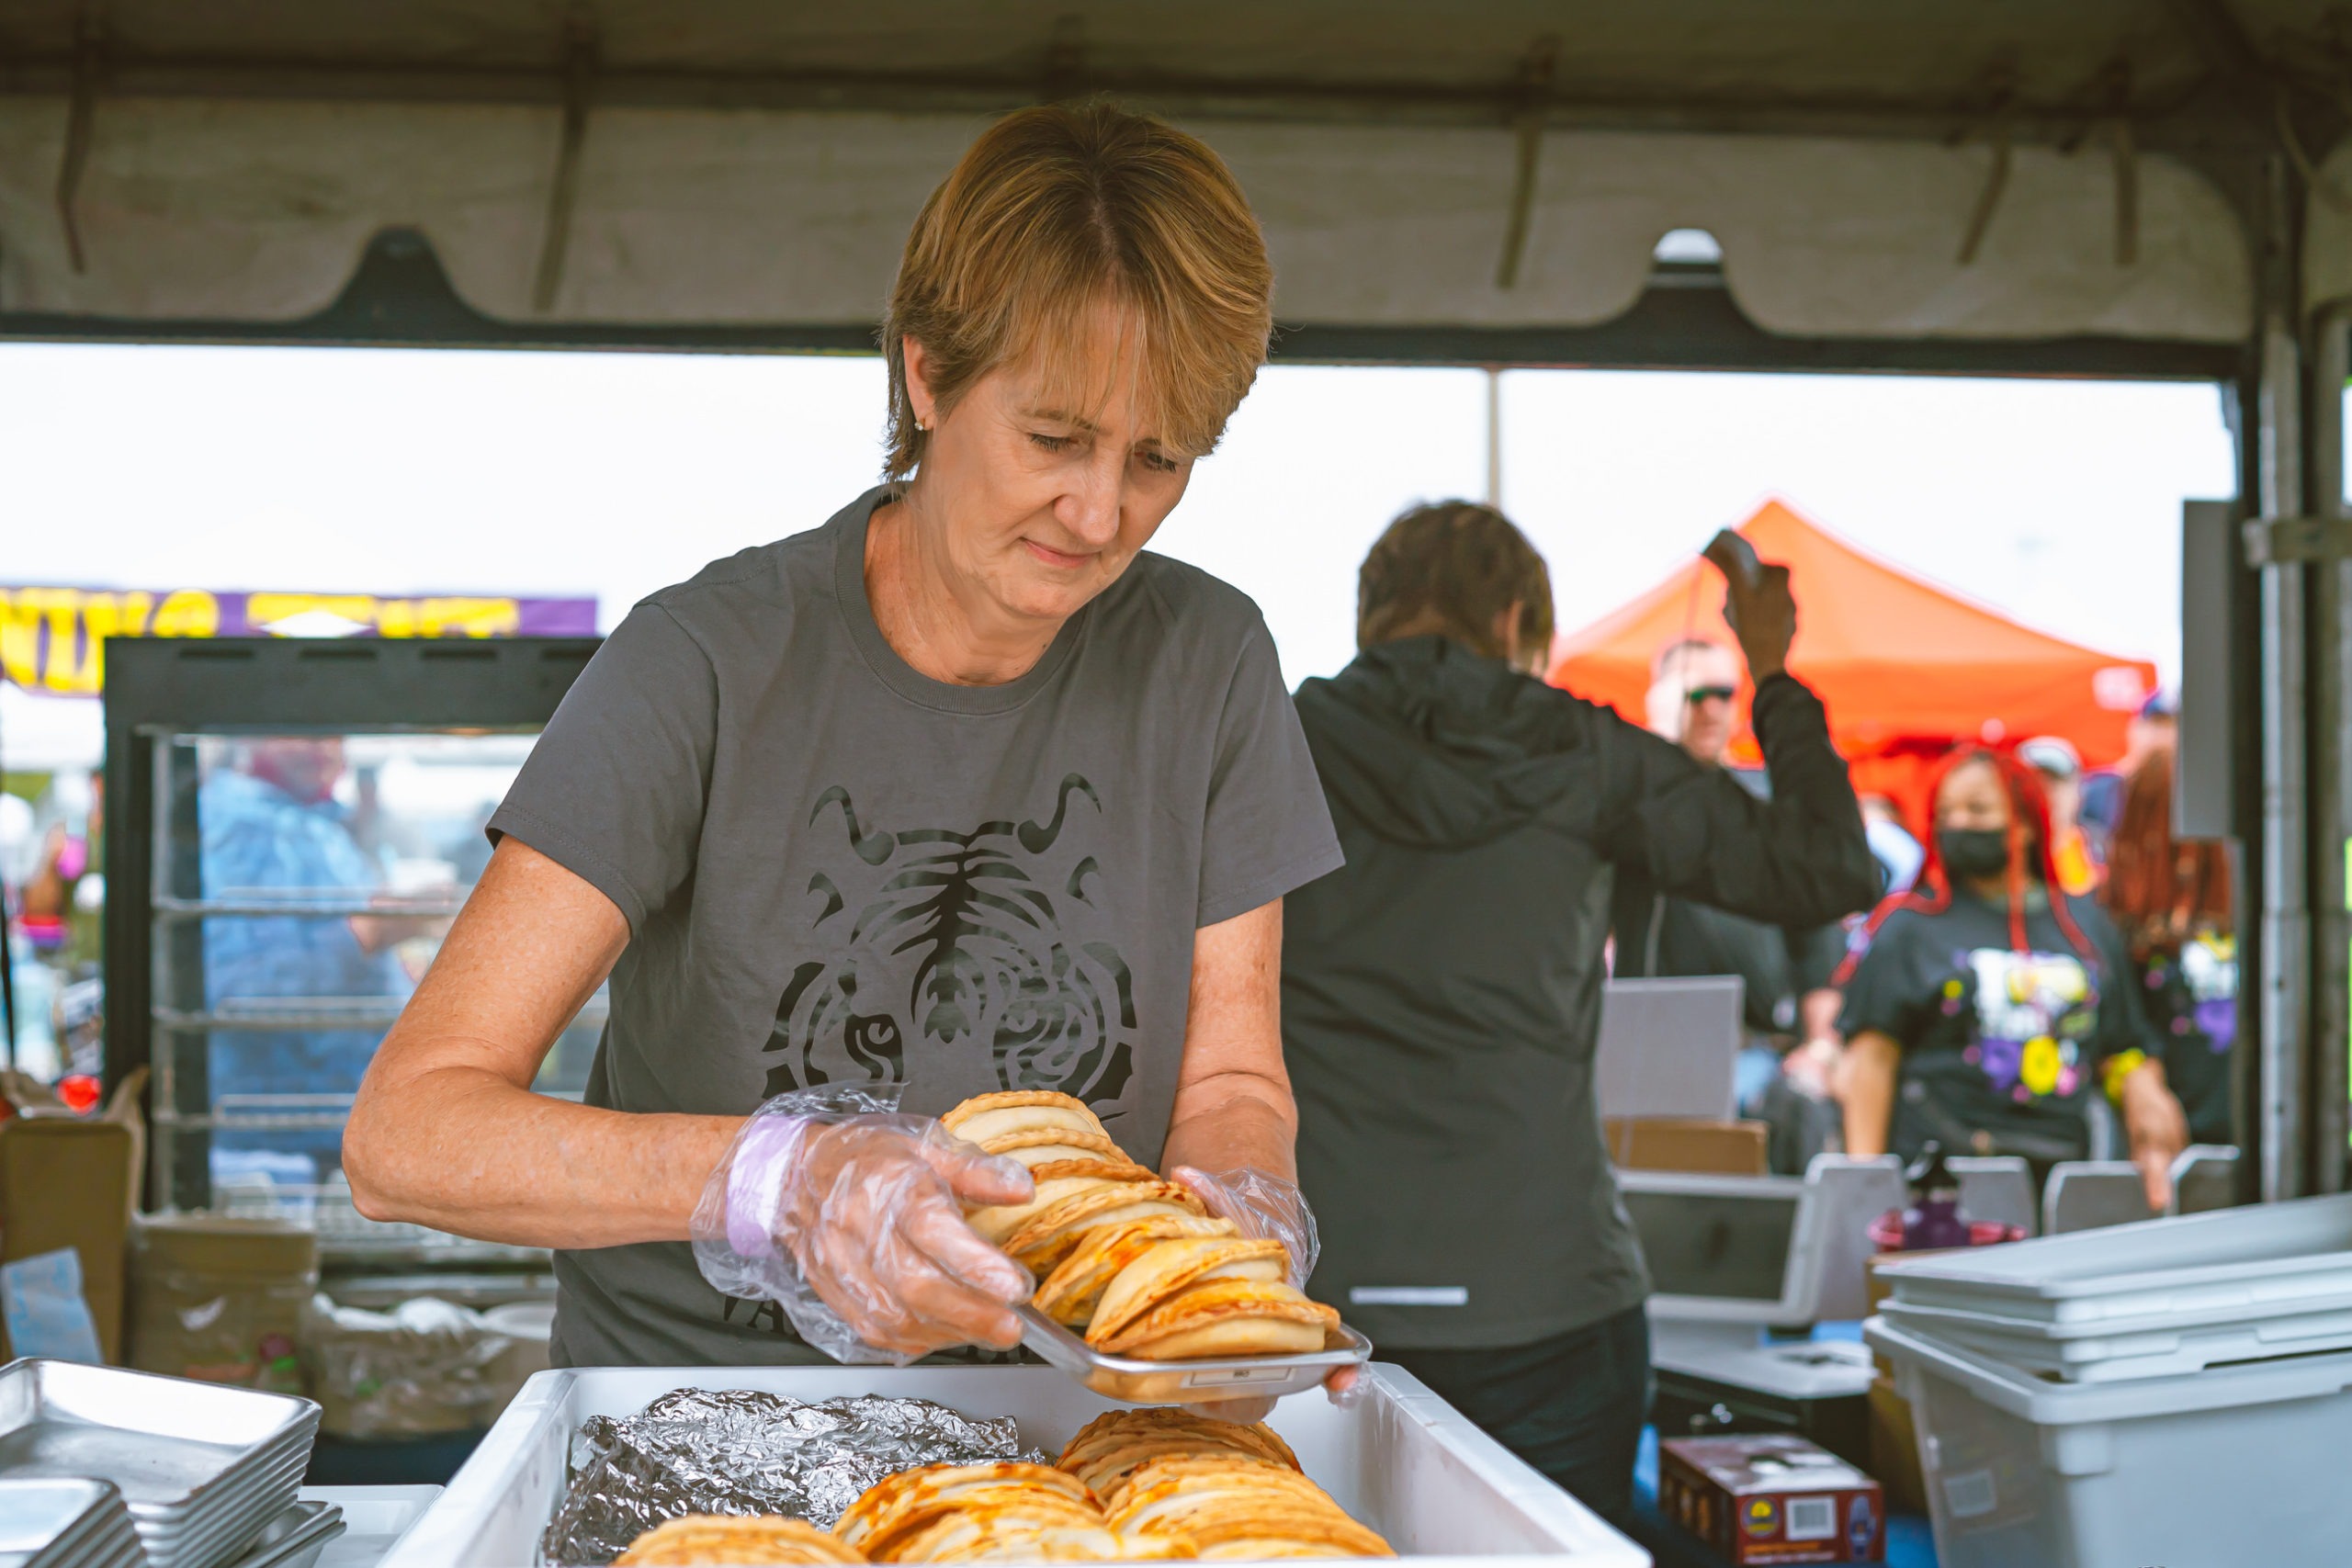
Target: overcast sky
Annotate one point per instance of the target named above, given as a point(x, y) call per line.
point(392, 472)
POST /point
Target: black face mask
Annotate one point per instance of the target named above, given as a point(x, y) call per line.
point(1973, 852)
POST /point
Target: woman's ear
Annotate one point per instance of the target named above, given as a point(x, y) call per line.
point(919, 397)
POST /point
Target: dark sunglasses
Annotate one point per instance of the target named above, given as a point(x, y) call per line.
point(1698, 695)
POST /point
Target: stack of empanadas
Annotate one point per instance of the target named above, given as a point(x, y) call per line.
point(728, 1539)
point(1006, 1512)
point(1135, 1264)
point(1233, 1492)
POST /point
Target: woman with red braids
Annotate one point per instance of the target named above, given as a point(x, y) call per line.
point(2171, 899)
point(1986, 1006)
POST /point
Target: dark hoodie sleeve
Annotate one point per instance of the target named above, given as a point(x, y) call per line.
point(1798, 859)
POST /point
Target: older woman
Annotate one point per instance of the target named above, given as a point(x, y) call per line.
point(959, 791)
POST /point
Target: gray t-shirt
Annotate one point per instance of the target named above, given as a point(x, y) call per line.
point(835, 869)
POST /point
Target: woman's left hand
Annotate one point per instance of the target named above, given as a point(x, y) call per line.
point(2157, 1128)
point(1266, 1206)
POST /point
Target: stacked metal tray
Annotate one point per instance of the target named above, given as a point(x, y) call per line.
point(202, 1469)
point(295, 1538)
point(66, 1523)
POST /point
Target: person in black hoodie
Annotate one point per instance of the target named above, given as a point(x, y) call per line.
point(1441, 993)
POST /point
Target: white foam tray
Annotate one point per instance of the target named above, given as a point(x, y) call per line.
point(1402, 1460)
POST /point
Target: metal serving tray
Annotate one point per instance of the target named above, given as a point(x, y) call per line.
point(171, 1446)
point(48, 1521)
point(1185, 1382)
point(295, 1538)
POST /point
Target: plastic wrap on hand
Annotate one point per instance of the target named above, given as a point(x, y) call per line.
point(1262, 1206)
point(777, 1196)
point(736, 1451)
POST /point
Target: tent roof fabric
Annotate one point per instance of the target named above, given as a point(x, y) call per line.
point(757, 162)
point(1899, 663)
point(1941, 54)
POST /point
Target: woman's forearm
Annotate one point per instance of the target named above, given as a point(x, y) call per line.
point(445, 1130)
point(1234, 1121)
point(1866, 1076)
point(462, 1150)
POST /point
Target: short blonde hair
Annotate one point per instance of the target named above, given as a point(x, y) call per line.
point(1455, 569)
point(1055, 212)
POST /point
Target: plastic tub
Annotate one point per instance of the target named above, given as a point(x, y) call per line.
point(2233, 1257)
point(1401, 1459)
point(2228, 1468)
point(2103, 1352)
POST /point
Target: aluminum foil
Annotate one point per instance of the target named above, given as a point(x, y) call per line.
point(736, 1451)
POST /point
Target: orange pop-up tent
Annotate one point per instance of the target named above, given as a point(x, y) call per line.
point(1906, 669)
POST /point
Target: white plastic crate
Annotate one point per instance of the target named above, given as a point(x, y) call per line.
point(2229, 1467)
point(2105, 1352)
point(1402, 1460)
point(2208, 1264)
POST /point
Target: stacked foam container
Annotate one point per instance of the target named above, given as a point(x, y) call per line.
point(2178, 1391)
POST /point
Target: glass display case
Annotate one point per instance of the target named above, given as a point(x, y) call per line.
point(290, 887)
point(302, 882)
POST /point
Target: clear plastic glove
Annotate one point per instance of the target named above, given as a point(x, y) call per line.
point(849, 1214)
point(1263, 1207)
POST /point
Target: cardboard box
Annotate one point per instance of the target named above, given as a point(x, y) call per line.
point(67, 1182)
point(1772, 1500)
point(1667, 1143)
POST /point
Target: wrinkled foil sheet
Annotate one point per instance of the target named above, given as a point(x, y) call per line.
point(735, 1451)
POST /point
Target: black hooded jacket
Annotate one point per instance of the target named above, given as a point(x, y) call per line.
point(1441, 993)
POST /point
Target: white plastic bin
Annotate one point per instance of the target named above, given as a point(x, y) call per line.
point(2209, 1264)
point(1402, 1461)
point(2230, 1467)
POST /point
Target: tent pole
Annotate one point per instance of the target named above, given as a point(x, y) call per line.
point(2331, 759)
point(2283, 1000)
point(1495, 437)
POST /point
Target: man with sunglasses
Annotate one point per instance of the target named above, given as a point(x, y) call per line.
point(1791, 1014)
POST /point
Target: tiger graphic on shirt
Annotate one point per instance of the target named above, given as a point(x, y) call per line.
point(993, 936)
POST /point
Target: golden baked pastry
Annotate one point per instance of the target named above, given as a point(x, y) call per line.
point(1007, 1512)
point(899, 1506)
point(1053, 1233)
point(1219, 1503)
point(1115, 1447)
point(1071, 1293)
point(986, 1116)
point(1135, 1264)
point(731, 1539)
point(1037, 1145)
point(1161, 1271)
point(1226, 1317)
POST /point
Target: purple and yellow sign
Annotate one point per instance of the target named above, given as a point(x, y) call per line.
point(51, 639)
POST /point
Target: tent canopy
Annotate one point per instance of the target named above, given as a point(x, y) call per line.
point(1967, 170)
point(1904, 667)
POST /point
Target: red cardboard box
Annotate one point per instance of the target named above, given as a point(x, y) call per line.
point(1772, 1500)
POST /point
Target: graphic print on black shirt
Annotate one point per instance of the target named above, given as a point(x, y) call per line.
point(991, 935)
point(2034, 1013)
point(2000, 1048)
